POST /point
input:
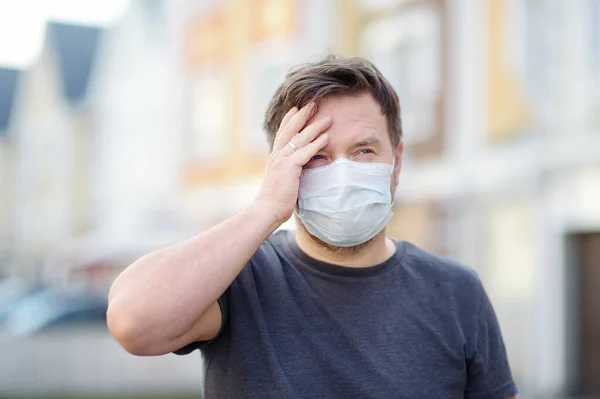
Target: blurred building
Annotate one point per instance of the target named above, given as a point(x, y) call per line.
point(89, 153)
point(136, 146)
point(93, 150)
point(501, 166)
point(157, 134)
point(9, 78)
point(50, 140)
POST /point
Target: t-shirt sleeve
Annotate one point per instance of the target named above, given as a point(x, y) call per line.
point(488, 370)
point(224, 306)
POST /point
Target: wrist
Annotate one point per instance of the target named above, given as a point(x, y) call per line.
point(264, 213)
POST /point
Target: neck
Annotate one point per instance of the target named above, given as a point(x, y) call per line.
point(377, 250)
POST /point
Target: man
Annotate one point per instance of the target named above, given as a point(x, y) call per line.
point(336, 309)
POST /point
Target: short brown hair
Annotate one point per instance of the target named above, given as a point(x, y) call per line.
point(333, 76)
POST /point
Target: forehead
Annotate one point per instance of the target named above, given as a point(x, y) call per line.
point(354, 117)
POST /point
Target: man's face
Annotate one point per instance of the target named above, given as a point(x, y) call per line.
point(359, 132)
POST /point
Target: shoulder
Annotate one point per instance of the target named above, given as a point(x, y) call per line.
point(272, 248)
point(269, 257)
point(265, 272)
point(439, 270)
point(451, 286)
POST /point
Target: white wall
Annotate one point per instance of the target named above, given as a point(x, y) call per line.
point(137, 166)
point(41, 124)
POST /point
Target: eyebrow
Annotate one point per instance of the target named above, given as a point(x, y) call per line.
point(369, 141)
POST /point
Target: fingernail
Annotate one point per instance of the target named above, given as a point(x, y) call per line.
point(325, 118)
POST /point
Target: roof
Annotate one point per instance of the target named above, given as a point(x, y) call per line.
point(8, 89)
point(76, 48)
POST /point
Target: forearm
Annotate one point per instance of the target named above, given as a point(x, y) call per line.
point(159, 297)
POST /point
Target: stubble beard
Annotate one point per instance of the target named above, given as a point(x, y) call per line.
point(338, 252)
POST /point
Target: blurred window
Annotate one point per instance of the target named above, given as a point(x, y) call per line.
point(209, 113)
point(407, 47)
point(209, 89)
point(595, 62)
point(154, 11)
point(517, 63)
point(536, 30)
point(596, 28)
point(274, 29)
point(269, 62)
point(272, 18)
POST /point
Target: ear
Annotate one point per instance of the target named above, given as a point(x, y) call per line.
point(398, 162)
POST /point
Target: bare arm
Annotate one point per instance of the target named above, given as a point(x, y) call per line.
point(167, 299)
point(157, 300)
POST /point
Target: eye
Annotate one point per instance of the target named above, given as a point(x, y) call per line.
point(316, 161)
point(366, 151)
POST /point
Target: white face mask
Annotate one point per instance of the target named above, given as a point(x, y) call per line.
point(345, 203)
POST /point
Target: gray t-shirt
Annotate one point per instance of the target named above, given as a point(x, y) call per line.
point(415, 326)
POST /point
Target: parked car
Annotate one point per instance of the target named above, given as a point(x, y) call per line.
point(46, 308)
point(12, 290)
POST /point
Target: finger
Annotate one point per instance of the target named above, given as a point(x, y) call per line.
point(296, 123)
point(287, 117)
point(304, 154)
point(308, 134)
point(284, 122)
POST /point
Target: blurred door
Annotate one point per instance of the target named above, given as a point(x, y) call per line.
point(588, 253)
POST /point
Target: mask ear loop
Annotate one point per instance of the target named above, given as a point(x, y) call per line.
point(391, 175)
